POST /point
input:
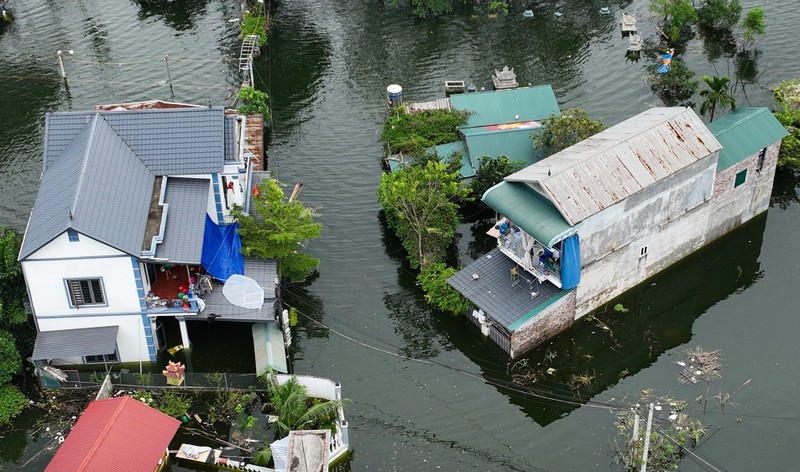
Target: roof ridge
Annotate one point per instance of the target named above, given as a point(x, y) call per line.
point(756, 112)
point(104, 432)
point(86, 153)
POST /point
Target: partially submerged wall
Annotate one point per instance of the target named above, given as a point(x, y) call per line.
point(549, 322)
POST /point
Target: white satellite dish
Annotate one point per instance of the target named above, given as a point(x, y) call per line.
point(243, 292)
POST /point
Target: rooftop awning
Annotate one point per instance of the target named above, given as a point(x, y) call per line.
point(186, 219)
point(529, 210)
point(65, 343)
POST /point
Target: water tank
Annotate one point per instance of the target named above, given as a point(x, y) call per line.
point(394, 95)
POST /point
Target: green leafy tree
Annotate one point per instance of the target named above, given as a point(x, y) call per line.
point(491, 172)
point(10, 360)
point(754, 26)
point(413, 133)
point(561, 132)
point(263, 456)
point(12, 402)
point(719, 14)
point(278, 229)
point(438, 292)
point(420, 205)
point(426, 8)
point(787, 97)
point(677, 17)
point(716, 95)
point(254, 102)
point(675, 87)
point(12, 283)
point(296, 411)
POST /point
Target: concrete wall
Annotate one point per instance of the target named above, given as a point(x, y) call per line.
point(666, 221)
point(546, 324)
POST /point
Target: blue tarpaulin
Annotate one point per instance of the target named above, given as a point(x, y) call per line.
point(570, 262)
point(222, 250)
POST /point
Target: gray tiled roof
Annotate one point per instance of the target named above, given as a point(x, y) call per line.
point(263, 272)
point(65, 343)
point(98, 187)
point(492, 290)
point(99, 170)
point(186, 220)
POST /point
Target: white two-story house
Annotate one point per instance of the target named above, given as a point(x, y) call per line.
point(131, 223)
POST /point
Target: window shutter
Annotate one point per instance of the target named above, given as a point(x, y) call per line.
point(76, 293)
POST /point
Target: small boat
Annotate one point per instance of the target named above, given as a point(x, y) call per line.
point(666, 60)
point(528, 13)
point(605, 11)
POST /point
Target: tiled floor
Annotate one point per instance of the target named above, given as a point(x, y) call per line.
point(168, 287)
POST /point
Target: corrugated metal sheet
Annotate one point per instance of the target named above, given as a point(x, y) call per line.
point(115, 434)
point(528, 210)
point(618, 162)
point(516, 144)
point(507, 106)
point(78, 342)
point(262, 271)
point(186, 220)
point(744, 132)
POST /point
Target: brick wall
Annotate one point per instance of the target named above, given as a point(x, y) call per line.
point(551, 321)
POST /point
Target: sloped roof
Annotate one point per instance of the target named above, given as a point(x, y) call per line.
point(100, 166)
point(115, 434)
point(507, 106)
point(515, 143)
point(186, 221)
point(527, 209)
point(618, 162)
point(79, 342)
point(743, 132)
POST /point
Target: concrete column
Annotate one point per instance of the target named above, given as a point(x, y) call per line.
point(184, 332)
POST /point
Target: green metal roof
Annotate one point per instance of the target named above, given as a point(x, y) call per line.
point(507, 106)
point(529, 210)
point(743, 132)
point(516, 144)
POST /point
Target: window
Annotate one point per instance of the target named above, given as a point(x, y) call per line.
point(761, 155)
point(643, 251)
point(84, 292)
point(98, 359)
point(73, 235)
point(741, 177)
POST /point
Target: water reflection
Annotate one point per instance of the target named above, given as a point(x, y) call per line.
point(180, 15)
point(608, 346)
point(784, 189)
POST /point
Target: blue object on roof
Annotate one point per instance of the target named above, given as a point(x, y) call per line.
point(570, 262)
point(222, 250)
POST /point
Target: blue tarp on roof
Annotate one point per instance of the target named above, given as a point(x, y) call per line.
point(222, 250)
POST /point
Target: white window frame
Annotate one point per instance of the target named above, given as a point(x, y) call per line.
point(78, 299)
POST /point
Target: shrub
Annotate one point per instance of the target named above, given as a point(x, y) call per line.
point(438, 292)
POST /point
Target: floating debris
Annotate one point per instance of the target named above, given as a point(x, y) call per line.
point(605, 11)
point(700, 365)
point(528, 13)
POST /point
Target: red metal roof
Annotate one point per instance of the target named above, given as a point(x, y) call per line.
point(120, 434)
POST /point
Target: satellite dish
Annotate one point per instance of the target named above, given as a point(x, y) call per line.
point(243, 292)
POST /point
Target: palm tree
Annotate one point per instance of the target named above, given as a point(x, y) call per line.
point(716, 95)
point(296, 411)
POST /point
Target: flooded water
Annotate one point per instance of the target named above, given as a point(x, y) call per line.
point(427, 392)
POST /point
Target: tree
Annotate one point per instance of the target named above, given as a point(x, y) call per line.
point(278, 229)
point(10, 360)
point(787, 96)
point(491, 171)
point(12, 283)
point(676, 86)
point(678, 17)
point(438, 292)
point(424, 8)
point(716, 95)
point(561, 132)
point(254, 102)
point(12, 402)
point(719, 14)
point(754, 26)
point(296, 411)
point(420, 207)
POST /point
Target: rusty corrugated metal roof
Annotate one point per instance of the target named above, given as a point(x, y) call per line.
point(115, 434)
point(618, 162)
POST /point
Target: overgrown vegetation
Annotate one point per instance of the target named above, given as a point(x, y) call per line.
point(413, 133)
point(426, 8)
point(787, 98)
point(438, 293)
point(678, 16)
point(676, 87)
point(253, 101)
point(722, 15)
point(754, 26)
point(279, 229)
point(254, 24)
point(420, 205)
point(560, 132)
point(491, 172)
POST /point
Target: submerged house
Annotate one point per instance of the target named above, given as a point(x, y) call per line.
point(499, 123)
point(131, 222)
point(588, 223)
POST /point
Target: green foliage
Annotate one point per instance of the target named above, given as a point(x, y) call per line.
point(145, 378)
point(787, 97)
point(215, 379)
point(12, 402)
point(413, 133)
point(678, 17)
point(438, 293)
point(675, 87)
point(12, 283)
point(426, 8)
point(10, 360)
point(278, 229)
point(296, 411)
point(263, 456)
point(754, 26)
point(172, 403)
point(620, 308)
point(420, 205)
point(561, 132)
point(498, 6)
point(716, 95)
point(719, 14)
point(491, 171)
point(254, 24)
point(227, 405)
point(253, 102)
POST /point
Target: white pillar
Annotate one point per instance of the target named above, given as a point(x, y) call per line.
point(184, 332)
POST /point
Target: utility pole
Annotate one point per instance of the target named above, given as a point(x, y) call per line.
point(61, 65)
point(647, 439)
point(169, 77)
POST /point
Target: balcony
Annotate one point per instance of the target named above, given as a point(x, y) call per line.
point(512, 243)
